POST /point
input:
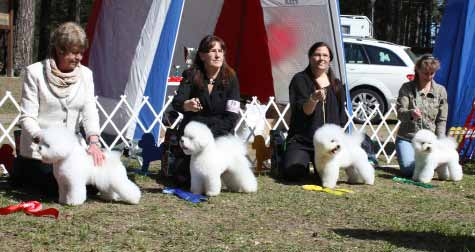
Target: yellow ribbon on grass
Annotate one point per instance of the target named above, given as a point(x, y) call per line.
point(337, 192)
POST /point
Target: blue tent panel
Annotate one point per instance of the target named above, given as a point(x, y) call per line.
point(157, 80)
point(455, 48)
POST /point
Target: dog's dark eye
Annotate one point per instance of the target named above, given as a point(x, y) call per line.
point(332, 141)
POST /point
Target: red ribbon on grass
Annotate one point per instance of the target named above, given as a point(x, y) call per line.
point(30, 208)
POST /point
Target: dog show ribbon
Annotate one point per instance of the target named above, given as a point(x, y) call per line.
point(412, 182)
point(188, 196)
point(30, 208)
point(337, 192)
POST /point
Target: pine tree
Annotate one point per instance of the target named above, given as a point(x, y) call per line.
point(23, 34)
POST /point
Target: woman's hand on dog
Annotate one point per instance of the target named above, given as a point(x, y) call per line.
point(192, 105)
point(96, 154)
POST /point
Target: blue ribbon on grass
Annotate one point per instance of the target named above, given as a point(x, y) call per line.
point(188, 196)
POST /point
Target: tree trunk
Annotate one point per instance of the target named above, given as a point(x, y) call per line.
point(400, 17)
point(75, 10)
point(417, 28)
point(24, 31)
point(77, 17)
point(45, 15)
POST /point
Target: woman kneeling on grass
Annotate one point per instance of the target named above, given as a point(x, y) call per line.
point(421, 104)
point(316, 97)
point(57, 92)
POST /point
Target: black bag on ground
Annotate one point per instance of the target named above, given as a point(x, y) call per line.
point(170, 148)
point(278, 144)
point(368, 147)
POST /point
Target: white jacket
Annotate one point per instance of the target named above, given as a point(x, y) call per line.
point(41, 109)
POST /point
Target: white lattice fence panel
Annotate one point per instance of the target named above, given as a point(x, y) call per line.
point(251, 122)
point(8, 122)
point(383, 133)
point(134, 118)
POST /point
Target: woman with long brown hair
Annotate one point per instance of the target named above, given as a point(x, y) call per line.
point(209, 93)
point(316, 97)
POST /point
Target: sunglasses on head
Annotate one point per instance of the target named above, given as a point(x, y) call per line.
point(428, 57)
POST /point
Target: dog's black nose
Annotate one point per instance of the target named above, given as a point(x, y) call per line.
point(337, 147)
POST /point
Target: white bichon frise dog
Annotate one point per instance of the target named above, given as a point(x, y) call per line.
point(215, 160)
point(435, 155)
point(73, 169)
point(334, 150)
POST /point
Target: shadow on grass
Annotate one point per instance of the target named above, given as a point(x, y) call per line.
point(25, 193)
point(469, 168)
point(424, 241)
point(389, 172)
point(29, 193)
point(309, 179)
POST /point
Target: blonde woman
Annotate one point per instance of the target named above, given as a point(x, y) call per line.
point(421, 104)
point(57, 92)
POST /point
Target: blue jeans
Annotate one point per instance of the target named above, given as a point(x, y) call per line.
point(406, 156)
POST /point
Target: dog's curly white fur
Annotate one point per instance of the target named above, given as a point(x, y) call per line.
point(213, 161)
point(435, 155)
point(334, 150)
point(73, 169)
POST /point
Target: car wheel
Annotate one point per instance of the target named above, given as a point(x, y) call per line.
point(369, 98)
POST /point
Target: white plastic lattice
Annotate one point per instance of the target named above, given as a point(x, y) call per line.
point(383, 133)
point(7, 132)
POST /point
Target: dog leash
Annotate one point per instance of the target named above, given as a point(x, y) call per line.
point(337, 192)
point(30, 208)
point(188, 196)
point(412, 182)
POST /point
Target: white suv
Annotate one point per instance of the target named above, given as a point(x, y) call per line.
point(375, 72)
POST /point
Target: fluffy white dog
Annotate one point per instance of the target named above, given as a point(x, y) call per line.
point(215, 160)
point(334, 150)
point(435, 155)
point(73, 169)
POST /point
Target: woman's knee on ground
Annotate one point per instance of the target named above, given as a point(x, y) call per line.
point(295, 171)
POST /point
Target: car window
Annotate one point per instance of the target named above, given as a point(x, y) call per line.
point(355, 54)
point(383, 56)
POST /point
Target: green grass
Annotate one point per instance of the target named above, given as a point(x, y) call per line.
point(280, 217)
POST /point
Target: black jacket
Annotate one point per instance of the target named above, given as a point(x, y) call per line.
point(302, 126)
point(214, 114)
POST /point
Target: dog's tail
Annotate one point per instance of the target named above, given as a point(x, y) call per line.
point(357, 137)
point(448, 142)
point(128, 191)
point(231, 143)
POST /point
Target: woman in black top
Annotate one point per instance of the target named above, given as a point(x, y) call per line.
point(316, 97)
point(209, 93)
